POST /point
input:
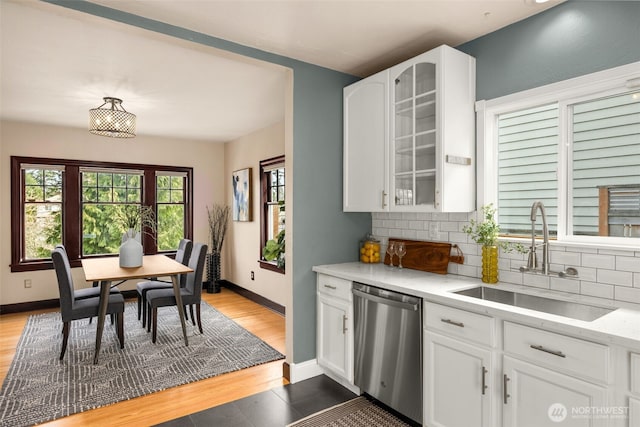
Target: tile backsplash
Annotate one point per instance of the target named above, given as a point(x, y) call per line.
point(605, 273)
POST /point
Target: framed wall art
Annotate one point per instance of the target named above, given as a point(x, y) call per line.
point(241, 181)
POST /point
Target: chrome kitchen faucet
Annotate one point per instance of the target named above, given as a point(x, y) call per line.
point(532, 263)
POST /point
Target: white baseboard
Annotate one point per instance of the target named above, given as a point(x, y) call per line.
point(304, 370)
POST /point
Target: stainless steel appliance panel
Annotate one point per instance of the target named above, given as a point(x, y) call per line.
point(388, 348)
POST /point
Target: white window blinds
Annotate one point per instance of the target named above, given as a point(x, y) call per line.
point(605, 154)
point(527, 167)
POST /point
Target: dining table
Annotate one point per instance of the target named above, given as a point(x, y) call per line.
point(106, 270)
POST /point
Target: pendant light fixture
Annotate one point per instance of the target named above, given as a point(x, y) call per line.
point(112, 120)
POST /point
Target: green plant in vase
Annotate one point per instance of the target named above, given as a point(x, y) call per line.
point(486, 233)
point(274, 249)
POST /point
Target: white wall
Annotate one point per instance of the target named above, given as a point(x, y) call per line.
point(242, 245)
point(603, 272)
point(27, 139)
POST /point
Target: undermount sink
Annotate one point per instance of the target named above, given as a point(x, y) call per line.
point(573, 310)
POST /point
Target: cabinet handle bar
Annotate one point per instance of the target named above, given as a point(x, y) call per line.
point(453, 322)
point(344, 325)
point(484, 380)
point(506, 396)
point(330, 287)
point(546, 350)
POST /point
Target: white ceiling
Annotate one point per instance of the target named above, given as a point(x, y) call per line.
point(58, 63)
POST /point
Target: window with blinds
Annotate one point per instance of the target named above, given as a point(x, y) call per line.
point(527, 167)
point(605, 155)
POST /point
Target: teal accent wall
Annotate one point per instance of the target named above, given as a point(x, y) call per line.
point(321, 232)
point(569, 40)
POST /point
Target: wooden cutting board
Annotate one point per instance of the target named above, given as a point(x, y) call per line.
point(421, 255)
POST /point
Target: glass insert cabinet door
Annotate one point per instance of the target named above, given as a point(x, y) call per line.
point(414, 135)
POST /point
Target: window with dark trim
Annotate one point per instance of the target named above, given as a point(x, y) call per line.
point(57, 201)
point(272, 197)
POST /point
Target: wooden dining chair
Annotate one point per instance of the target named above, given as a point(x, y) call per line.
point(74, 309)
point(182, 256)
point(191, 293)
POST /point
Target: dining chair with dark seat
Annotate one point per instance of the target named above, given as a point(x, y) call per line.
point(74, 309)
point(84, 293)
point(182, 256)
point(94, 291)
point(191, 293)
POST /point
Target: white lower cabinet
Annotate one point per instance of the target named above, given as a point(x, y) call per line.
point(334, 334)
point(530, 378)
point(458, 378)
point(634, 412)
point(539, 397)
point(633, 405)
point(335, 328)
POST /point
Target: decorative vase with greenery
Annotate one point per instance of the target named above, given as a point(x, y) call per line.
point(218, 219)
point(135, 220)
point(486, 233)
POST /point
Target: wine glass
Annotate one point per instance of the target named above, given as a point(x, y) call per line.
point(391, 251)
point(401, 250)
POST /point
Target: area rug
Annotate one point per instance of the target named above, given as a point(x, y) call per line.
point(358, 412)
point(40, 388)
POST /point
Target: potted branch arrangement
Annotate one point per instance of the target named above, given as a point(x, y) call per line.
point(135, 220)
point(486, 233)
point(218, 217)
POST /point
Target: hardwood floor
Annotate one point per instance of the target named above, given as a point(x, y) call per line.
point(178, 401)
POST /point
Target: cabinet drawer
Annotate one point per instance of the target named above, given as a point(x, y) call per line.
point(460, 323)
point(635, 373)
point(339, 288)
point(572, 355)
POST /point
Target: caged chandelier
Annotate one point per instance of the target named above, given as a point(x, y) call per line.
point(112, 120)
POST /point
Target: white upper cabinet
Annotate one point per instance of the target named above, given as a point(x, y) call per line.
point(366, 118)
point(423, 135)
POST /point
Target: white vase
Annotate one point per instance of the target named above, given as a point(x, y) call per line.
point(131, 250)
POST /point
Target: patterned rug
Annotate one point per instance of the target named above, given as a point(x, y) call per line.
point(358, 412)
point(40, 388)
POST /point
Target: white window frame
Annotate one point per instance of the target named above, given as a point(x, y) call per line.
point(565, 93)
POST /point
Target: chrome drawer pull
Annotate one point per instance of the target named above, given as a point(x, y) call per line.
point(546, 350)
point(330, 287)
point(484, 380)
point(344, 325)
point(453, 322)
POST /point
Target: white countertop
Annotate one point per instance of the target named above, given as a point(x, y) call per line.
point(620, 327)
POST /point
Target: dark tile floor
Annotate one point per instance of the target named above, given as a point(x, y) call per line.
point(274, 408)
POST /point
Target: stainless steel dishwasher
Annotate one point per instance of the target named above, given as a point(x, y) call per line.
point(388, 348)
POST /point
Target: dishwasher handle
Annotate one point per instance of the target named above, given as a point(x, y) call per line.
point(386, 301)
